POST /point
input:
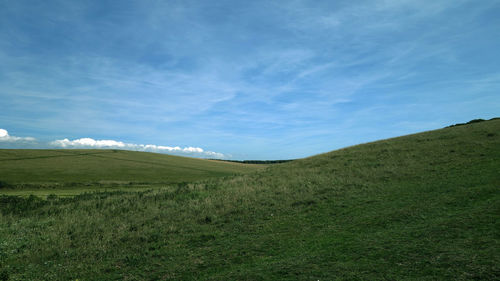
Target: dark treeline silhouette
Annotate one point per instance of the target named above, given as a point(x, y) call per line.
point(256, 161)
point(471, 122)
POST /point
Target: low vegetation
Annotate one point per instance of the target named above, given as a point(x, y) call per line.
point(418, 207)
point(257, 161)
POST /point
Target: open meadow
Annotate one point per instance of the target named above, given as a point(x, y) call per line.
point(418, 207)
point(68, 172)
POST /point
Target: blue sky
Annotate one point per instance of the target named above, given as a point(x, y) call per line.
point(243, 79)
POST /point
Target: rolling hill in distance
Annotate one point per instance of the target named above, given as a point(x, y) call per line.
point(419, 207)
point(83, 170)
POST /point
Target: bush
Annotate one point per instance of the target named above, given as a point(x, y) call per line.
point(4, 275)
point(470, 122)
point(475, 121)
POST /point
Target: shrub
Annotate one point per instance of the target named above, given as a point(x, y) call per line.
point(3, 184)
point(4, 275)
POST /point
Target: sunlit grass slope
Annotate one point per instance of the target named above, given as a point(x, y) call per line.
point(46, 168)
point(419, 207)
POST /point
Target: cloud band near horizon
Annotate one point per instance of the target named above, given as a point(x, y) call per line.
point(5, 137)
point(89, 143)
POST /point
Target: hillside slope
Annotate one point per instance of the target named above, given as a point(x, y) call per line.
point(71, 166)
point(418, 207)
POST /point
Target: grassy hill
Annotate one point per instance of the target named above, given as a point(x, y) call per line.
point(418, 207)
point(24, 171)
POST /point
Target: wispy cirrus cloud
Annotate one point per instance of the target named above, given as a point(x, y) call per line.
point(268, 76)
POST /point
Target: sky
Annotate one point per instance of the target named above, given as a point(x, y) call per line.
point(242, 79)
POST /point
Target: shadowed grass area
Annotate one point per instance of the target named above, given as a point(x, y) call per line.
point(418, 207)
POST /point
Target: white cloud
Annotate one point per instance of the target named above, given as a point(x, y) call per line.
point(112, 144)
point(5, 137)
point(88, 142)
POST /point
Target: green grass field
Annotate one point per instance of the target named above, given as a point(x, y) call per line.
point(419, 207)
point(68, 172)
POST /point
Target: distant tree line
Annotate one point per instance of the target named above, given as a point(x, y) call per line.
point(471, 122)
point(256, 161)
